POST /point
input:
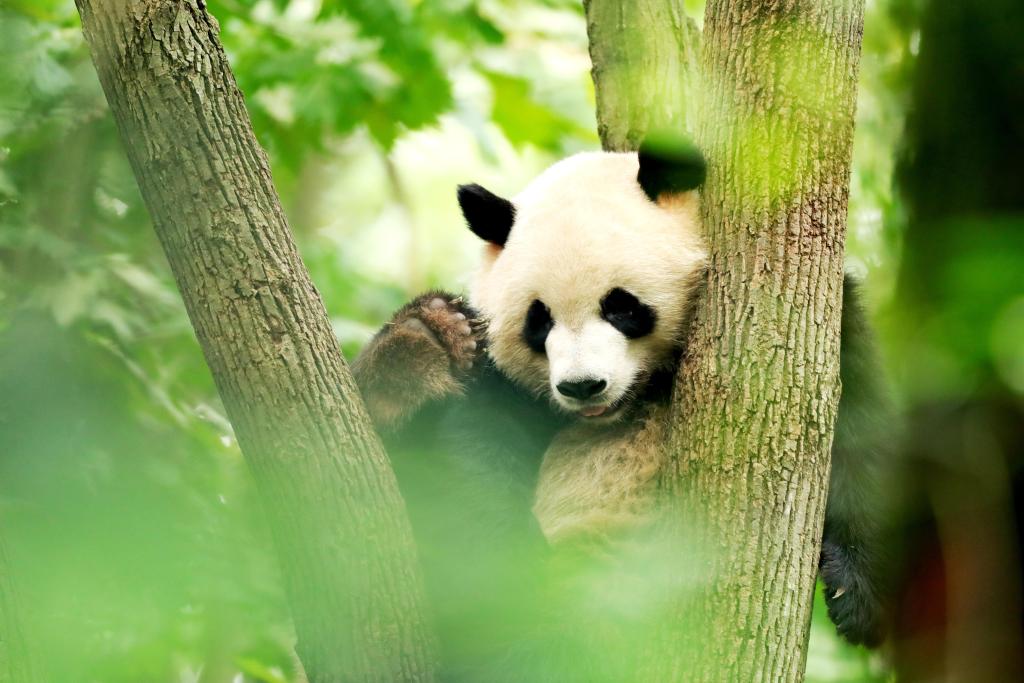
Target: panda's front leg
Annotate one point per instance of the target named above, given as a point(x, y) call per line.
point(423, 353)
point(856, 563)
point(851, 569)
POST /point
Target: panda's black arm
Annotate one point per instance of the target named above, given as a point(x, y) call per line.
point(855, 558)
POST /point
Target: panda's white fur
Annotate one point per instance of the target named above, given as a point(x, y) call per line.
point(583, 227)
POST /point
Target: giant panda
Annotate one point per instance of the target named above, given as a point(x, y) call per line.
point(532, 416)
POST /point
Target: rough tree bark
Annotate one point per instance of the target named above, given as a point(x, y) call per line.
point(644, 55)
point(757, 394)
point(752, 452)
point(336, 515)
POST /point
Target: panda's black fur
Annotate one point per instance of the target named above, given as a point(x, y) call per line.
point(467, 467)
point(467, 463)
point(856, 557)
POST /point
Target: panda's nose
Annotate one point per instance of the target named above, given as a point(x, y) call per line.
point(582, 388)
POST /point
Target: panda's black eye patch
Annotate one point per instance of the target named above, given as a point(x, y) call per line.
point(628, 314)
point(537, 326)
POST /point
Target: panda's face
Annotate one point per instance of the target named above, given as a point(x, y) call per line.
point(599, 353)
point(587, 293)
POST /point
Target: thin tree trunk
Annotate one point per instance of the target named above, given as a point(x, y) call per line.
point(337, 518)
point(644, 55)
point(18, 660)
point(757, 394)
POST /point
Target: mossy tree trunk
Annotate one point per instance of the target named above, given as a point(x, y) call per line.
point(337, 517)
point(756, 397)
point(645, 57)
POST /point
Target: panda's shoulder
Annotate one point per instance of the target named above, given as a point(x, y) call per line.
point(495, 411)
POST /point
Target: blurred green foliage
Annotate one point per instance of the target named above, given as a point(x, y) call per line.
point(133, 527)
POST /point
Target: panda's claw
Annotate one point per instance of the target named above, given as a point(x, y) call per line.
point(448, 324)
point(859, 616)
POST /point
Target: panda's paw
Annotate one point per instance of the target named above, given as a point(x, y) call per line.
point(445, 321)
point(853, 602)
point(424, 353)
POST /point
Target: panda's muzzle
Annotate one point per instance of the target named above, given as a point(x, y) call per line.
point(589, 397)
point(582, 389)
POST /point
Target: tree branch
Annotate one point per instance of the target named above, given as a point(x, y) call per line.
point(645, 55)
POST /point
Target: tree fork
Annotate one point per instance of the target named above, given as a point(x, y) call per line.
point(337, 518)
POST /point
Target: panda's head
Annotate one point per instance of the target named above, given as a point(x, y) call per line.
point(588, 273)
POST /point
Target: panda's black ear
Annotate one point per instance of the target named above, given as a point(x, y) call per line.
point(487, 214)
point(669, 164)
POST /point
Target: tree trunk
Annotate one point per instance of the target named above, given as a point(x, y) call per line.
point(18, 661)
point(644, 55)
point(337, 517)
point(757, 394)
